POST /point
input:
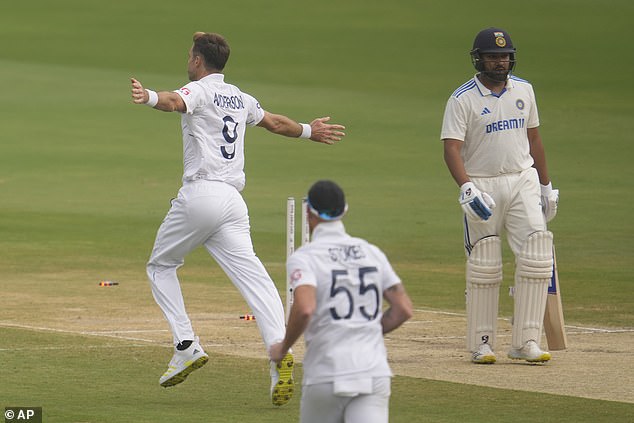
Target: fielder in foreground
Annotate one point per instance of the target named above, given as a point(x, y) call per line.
point(209, 209)
point(339, 283)
point(494, 152)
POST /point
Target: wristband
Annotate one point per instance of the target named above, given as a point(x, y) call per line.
point(306, 131)
point(547, 189)
point(152, 98)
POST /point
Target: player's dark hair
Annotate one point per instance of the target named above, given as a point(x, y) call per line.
point(326, 198)
point(213, 48)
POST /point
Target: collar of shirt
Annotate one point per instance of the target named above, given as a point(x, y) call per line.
point(329, 229)
point(218, 77)
point(485, 91)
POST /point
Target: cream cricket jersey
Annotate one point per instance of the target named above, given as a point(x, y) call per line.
point(492, 127)
point(344, 339)
point(213, 130)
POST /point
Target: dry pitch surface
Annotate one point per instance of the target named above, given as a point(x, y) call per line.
point(429, 346)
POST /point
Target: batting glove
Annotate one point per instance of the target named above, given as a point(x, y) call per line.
point(550, 201)
point(477, 205)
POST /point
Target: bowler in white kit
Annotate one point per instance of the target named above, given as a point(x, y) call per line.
point(209, 209)
point(495, 154)
point(339, 283)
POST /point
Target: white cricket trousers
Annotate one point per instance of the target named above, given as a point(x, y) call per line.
point(518, 209)
point(212, 214)
point(320, 405)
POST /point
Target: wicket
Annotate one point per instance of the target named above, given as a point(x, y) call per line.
point(290, 240)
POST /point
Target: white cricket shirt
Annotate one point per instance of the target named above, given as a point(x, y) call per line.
point(213, 130)
point(493, 128)
point(344, 339)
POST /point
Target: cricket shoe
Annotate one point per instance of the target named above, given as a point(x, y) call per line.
point(529, 352)
point(282, 383)
point(483, 355)
point(183, 363)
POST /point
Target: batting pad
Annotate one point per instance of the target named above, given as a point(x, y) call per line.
point(484, 276)
point(532, 275)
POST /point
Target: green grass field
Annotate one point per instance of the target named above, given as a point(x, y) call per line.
point(86, 178)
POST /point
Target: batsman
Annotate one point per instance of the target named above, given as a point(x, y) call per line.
point(494, 152)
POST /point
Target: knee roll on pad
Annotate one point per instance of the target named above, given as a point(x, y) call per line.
point(532, 275)
point(536, 257)
point(484, 276)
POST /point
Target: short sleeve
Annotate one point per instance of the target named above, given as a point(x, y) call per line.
point(300, 271)
point(255, 111)
point(390, 278)
point(193, 96)
point(454, 123)
point(533, 118)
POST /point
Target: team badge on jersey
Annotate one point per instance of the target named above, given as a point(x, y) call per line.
point(520, 104)
point(296, 275)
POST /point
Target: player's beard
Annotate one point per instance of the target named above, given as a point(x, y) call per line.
point(497, 75)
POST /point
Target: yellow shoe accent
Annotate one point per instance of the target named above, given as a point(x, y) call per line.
point(482, 359)
point(483, 355)
point(190, 366)
point(541, 359)
point(530, 352)
point(283, 390)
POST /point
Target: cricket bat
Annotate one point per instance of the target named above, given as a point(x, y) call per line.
point(554, 315)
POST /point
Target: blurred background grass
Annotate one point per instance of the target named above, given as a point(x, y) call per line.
point(86, 176)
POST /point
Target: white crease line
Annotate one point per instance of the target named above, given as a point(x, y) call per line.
point(101, 334)
point(127, 331)
point(599, 330)
point(128, 338)
point(96, 347)
point(433, 338)
point(76, 347)
point(114, 334)
point(585, 329)
point(17, 325)
point(448, 313)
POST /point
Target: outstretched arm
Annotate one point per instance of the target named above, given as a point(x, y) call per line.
point(320, 131)
point(166, 101)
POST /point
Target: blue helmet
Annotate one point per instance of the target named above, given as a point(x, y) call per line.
point(492, 40)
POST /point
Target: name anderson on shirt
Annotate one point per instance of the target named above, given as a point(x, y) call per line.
point(226, 102)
